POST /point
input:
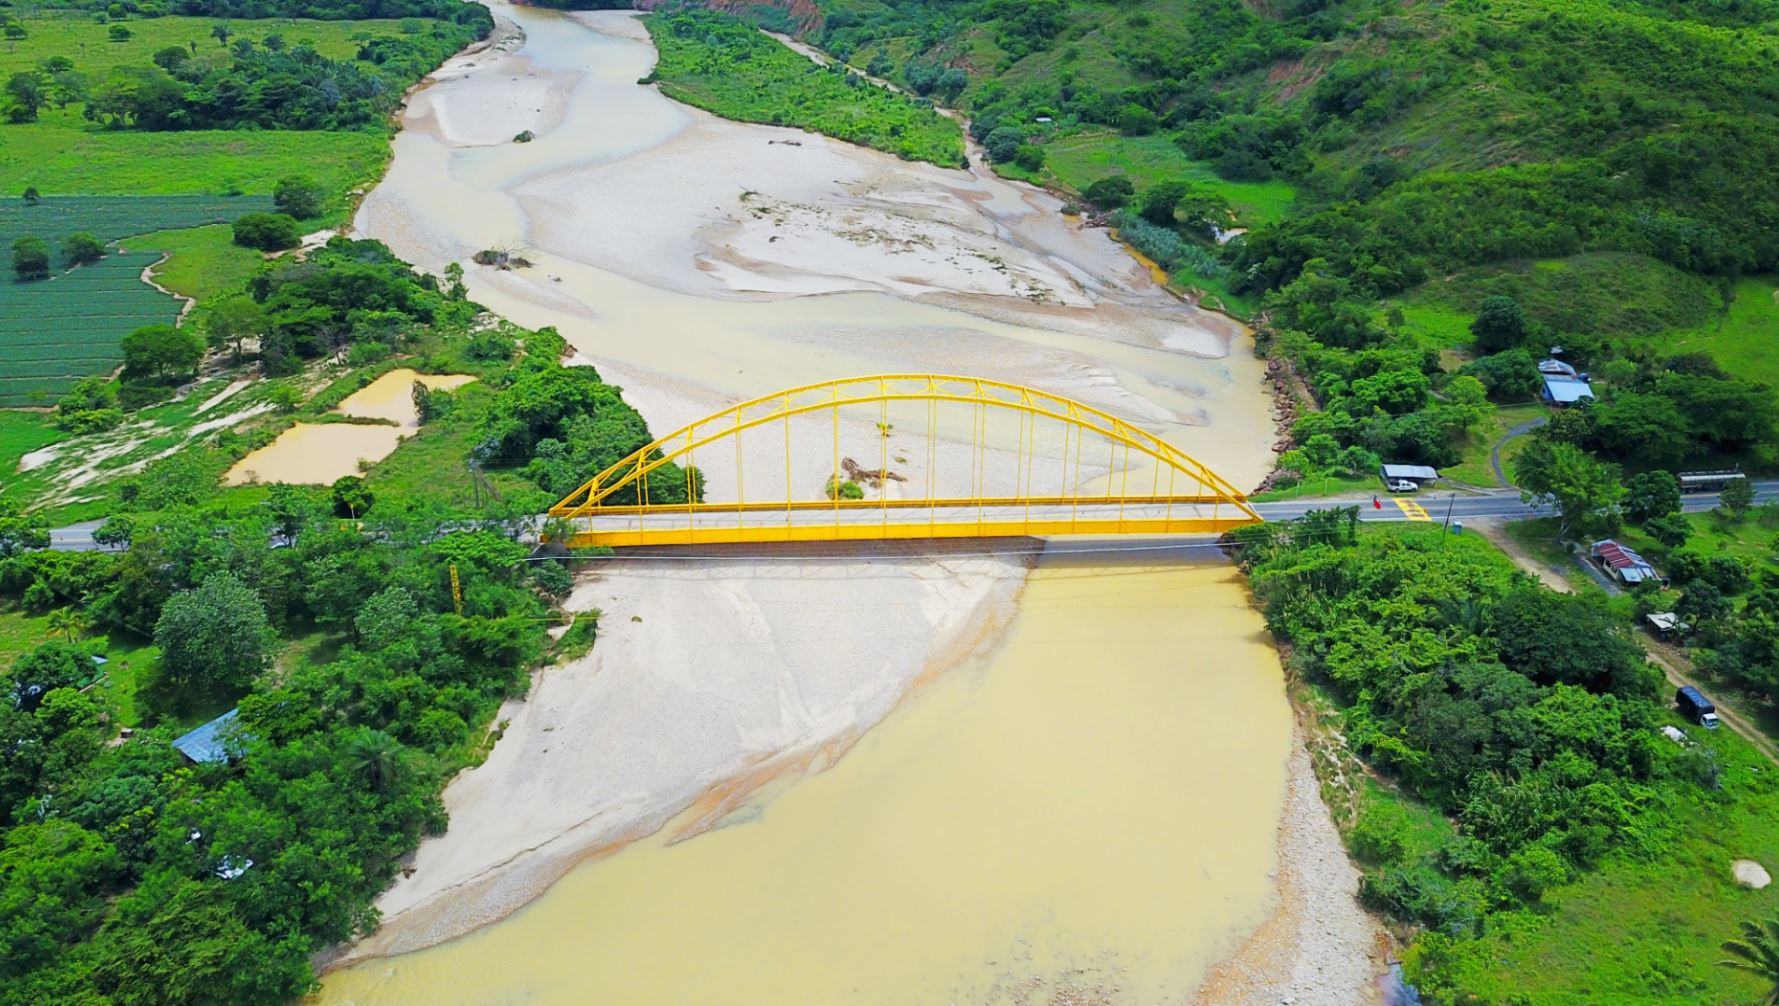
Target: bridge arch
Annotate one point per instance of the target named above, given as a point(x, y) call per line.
point(1183, 496)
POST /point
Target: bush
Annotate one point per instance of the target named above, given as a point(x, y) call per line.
point(81, 248)
point(1029, 156)
point(30, 258)
point(1110, 192)
point(1135, 120)
point(298, 196)
point(1003, 144)
point(267, 231)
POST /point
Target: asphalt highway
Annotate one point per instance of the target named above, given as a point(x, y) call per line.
point(1436, 506)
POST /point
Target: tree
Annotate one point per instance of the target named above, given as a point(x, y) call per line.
point(32, 196)
point(1003, 143)
point(1500, 325)
point(15, 32)
point(30, 258)
point(1736, 498)
point(221, 34)
point(81, 248)
point(1135, 120)
point(1651, 494)
point(1648, 427)
point(352, 499)
point(387, 617)
point(232, 322)
point(20, 531)
point(298, 196)
point(161, 351)
point(1159, 201)
point(1584, 490)
point(170, 58)
point(214, 639)
point(66, 622)
point(1670, 529)
point(28, 93)
point(1110, 192)
point(1570, 639)
point(116, 532)
point(1757, 953)
point(376, 757)
point(267, 231)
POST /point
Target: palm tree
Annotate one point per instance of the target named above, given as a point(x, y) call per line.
point(67, 622)
point(377, 757)
point(1757, 952)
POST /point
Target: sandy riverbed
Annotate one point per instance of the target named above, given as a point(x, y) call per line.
point(706, 673)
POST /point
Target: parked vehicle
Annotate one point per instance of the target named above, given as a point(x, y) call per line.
point(1707, 482)
point(1696, 707)
point(1403, 486)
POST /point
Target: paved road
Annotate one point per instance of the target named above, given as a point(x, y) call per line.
point(1432, 506)
point(1504, 503)
point(1521, 430)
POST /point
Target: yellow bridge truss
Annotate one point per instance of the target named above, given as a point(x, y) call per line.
point(1183, 496)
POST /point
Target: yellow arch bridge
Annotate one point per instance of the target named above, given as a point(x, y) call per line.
point(950, 457)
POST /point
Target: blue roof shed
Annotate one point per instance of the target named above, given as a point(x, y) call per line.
point(211, 742)
point(1559, 390)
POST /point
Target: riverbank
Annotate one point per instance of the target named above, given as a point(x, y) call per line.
point(710, 678)
point(1318, 947)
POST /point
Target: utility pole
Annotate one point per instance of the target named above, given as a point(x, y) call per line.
point(1450, 501)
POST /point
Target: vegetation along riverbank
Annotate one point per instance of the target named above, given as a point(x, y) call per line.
point(1425, 211)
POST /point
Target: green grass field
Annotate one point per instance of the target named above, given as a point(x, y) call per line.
point(60, 159)
point(205, 261)
point(1645, 930)
point(62, 153)
point(1743, 340)
point(735, 71)
point(1082, 159)
point(1475, 448)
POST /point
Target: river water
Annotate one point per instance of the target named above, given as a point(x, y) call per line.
point(1088, 812)
point(1068, 792)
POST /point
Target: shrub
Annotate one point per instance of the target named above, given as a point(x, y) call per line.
point(267, 231)
point(299, 196)
point(81, 248)
point(30, 258)
point(1110, 192)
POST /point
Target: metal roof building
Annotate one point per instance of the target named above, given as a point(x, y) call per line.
point(1624, 563)
point(211, 742)
point(1413, 473)
point(1560, 390)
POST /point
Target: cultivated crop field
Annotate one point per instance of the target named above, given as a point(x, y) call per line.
point(110, 218)
point(57, 330)
point(60, 329)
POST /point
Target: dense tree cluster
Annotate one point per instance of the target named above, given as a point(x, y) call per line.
point(268, 86)
point(1527, 716)
point(116, 857)
point(126, 864)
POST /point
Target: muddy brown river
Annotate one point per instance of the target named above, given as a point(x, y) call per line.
point(975, 778)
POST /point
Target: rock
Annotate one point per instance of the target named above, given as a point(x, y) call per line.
point(1750, 874)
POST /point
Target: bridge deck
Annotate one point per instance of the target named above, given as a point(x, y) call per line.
point(872, 521)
